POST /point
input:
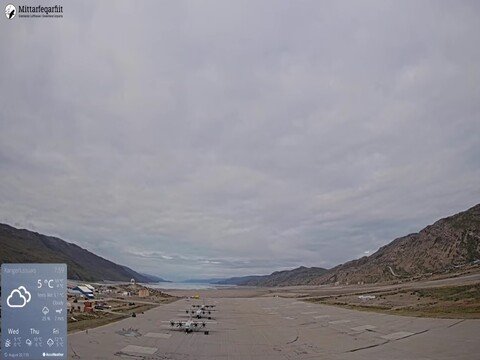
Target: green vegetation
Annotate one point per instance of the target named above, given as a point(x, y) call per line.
point(451, 293)
point(472, 251)
point(443, 302)
point(89, 321)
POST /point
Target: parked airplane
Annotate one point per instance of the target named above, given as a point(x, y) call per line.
point(199, 313)
point(189, 326)
point(204, 307)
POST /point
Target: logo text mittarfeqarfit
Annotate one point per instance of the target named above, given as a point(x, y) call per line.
point(40, 11)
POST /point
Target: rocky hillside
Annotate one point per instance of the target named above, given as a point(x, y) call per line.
point(448, 243)
point(23, 246)
point(299, 276)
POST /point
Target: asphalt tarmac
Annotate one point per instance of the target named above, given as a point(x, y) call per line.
point(273, 328)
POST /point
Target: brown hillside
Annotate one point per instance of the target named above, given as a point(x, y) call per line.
point(448, 243)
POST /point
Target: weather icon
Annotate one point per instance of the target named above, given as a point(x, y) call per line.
point(19, 297)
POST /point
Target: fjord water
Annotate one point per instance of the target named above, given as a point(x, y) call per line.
point(184, 286)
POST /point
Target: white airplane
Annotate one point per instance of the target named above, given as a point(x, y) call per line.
point(200, 314)
point(203, 306)
point(189, 326)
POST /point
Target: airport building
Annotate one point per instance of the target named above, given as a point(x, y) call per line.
point(85, 291)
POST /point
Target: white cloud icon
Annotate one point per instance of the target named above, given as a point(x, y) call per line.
point(19, 297)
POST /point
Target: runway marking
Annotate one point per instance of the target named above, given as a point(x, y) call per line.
point(291, 342)
point(289, 318)
point(130, 332)
point(139, 349)
point(338, 322)
point(158, 335)
point(456, 323)
point(321, 316)
point(364, 327)
point(397, 335)
point(308, 312)
point(368, 347)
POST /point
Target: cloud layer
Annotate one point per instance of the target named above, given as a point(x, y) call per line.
point(214, 139)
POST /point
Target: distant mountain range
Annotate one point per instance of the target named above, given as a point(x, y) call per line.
point(154, 278)
point(224, 281)
point(24, 246)
point(448, 243)
point(299, 276)
point(203, 281)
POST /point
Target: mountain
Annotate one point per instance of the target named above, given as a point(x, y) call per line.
point(448, 243)
point(241, 280)
point(24, 246)
point(299, 276)
point(203, 281)
point(154, 278)
point(445, 245)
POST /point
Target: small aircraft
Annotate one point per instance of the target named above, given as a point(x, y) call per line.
point(189, 326)
point(204, 307)
point(199, 313)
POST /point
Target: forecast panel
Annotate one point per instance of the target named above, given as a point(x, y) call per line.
point(34, 311)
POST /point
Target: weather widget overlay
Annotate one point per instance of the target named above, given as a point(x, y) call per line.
point(34, 311)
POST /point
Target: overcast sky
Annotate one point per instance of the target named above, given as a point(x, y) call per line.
point(222, 138)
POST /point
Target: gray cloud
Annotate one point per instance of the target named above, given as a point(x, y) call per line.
point(213, 138)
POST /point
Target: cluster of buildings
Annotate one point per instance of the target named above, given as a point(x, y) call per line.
point(85, 290)
point(86, 298)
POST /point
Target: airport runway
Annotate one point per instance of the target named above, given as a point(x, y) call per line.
point(274, 328)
